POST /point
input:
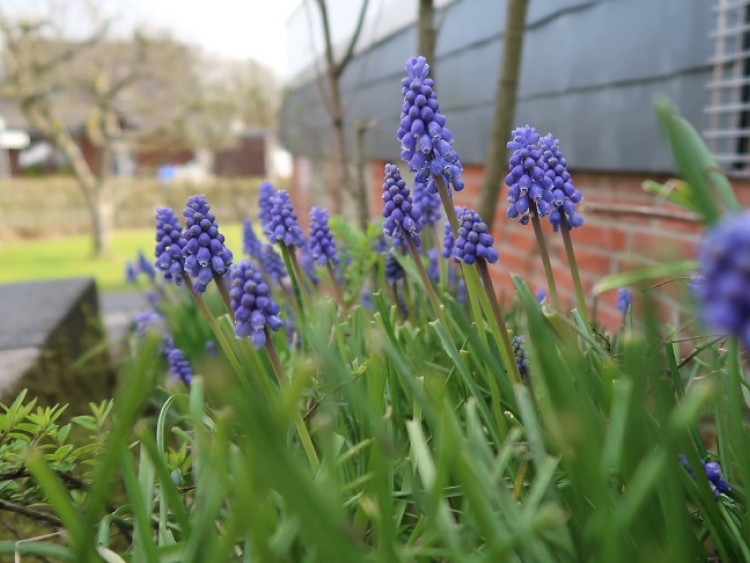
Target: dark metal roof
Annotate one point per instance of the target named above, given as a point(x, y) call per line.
point(589, 74)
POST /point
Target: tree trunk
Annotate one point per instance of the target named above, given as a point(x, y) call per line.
point(341, 162)
point(363, 204)
point(505, 109)
point(427, 34)
point(102, 222)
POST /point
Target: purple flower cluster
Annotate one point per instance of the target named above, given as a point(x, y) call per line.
point(204, 251)
point(449, 241)
point(624, 300)
point(541, 295)
point(254, 307)
point(308, 264)
point(250, 243)
point(401, 216)
point(428, 204)
point(145, 266)
point(425, 141)
point(282, 226)
point(321, 244)
point(170, 245)
point(393, 270)
point(179, 367)
point(527, 183)
point(473, 241)
point(564, 194)
point(519, 352)
point(433, 265)
point(265, 192)
point(272, 264)
point(723, 293)
point(131, 272)
point(713, 474)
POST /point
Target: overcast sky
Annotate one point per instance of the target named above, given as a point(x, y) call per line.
point(232, 28)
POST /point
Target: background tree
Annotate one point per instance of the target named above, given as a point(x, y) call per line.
point(505, 109)
point(331, 94)
point(427, 33)
point(132, 95)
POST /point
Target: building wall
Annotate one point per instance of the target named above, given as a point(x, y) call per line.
point(609, 242)
point(590, 72)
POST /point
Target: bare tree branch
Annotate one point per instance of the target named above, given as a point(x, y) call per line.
point(355, 39)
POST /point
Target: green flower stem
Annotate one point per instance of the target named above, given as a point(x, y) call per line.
point(295, 283)
point(574, 272)
point(300, 277)
point(428, 286)
point(471, 279)
point(394, 295)
point(288, 296)
point(222, 285)
point(442, 263)
point(299, 423)
point(500, 330)
point(201, 303)
point(544, 254)
point(445, 197)
point(273, 357)
point(470, 275)
point(337, 292)
point(411, 310)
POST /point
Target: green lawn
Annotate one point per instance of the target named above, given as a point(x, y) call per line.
point(71, 256)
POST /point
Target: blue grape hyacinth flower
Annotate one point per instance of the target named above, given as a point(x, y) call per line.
point(255, 309)
point(426, 143)
point(714, 475)
point(433, 266)
point(250, 243)
point(624, 300)
point(283, 227)
point(564, 194)
point(321, 244)
point(308, 264)
point(145, 266)
point(131, 272)
point(528, 186)
point(724, 290)
point(204, 251)
point(402, 218)
point(428, 204)
point(272, 264)
point(449, 240)
point(179, 367)
point(265, 192)
point(393, 270)
point(170, 244)
point(474, 242)
point(519, 352)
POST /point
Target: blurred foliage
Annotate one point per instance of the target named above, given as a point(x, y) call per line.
point(392, 439)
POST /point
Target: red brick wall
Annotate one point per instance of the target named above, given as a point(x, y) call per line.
point(606, 244)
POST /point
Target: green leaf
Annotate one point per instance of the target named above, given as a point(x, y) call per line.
point(670, 269)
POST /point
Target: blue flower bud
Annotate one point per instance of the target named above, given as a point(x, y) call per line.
point(425, 142)
point(283, 227)
point(473, 241)
point(321, 244)
point(251, 245)
point(204, 251)
point(170, 245)
point(254, 308)
point(402, 217)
